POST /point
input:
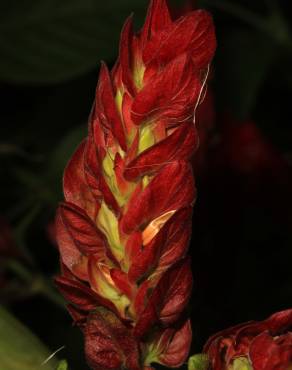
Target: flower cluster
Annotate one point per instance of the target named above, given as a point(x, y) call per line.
point(124, 227)
point(265, 345)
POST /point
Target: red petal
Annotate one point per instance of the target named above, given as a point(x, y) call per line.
point(83, 231)
point(108, 196)
point(265, 354)
point(174, 345)
point(168, 298)
point(173, 188)
point(76, 189)
point(141, 297)
point(275, 324)
point(94, 172)
point(79, 317)
point(119, 165)
point(164, 96)
point(216, 358)
point(121, 280)
point(133, 245)
point(92, 169)
point(180, 145)
point(143, 260)
point(192, 33)
point(157, 19)
point(77, 293)
point(125, 56)
point(107, 104)
point(176, 234)
point(279, 322)
point(129, 125)
point(70, 254)
point(96, 131)
point(109, 345)
point(176, 285)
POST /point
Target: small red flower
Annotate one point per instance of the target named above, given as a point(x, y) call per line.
point(265, 345)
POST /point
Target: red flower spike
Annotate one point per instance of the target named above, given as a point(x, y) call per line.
point(265, 345)
point(124, 228)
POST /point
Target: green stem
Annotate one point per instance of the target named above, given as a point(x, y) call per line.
point(19, 270)
point(47, 290)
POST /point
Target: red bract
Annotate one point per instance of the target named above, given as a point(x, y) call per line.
point(124, 227)
point(265, 345)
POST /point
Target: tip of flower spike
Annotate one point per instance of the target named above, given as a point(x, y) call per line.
point(158, 18)
point(125, 55)
point(156, 80)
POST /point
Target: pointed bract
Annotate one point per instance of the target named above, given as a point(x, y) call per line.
point(109, 344)
point(172, 345)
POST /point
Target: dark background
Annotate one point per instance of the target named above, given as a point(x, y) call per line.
point(241, 245)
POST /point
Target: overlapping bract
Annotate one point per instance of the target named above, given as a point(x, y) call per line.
point(124, 228)
point(265, 345)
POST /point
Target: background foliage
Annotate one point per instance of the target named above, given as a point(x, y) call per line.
point(241, 246)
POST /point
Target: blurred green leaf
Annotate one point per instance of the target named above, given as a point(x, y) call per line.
point(19, 348)
point(63, 365)
point(198, 362)
point(47, 41)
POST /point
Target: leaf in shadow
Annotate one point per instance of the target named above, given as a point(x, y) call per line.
point(19, 348)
